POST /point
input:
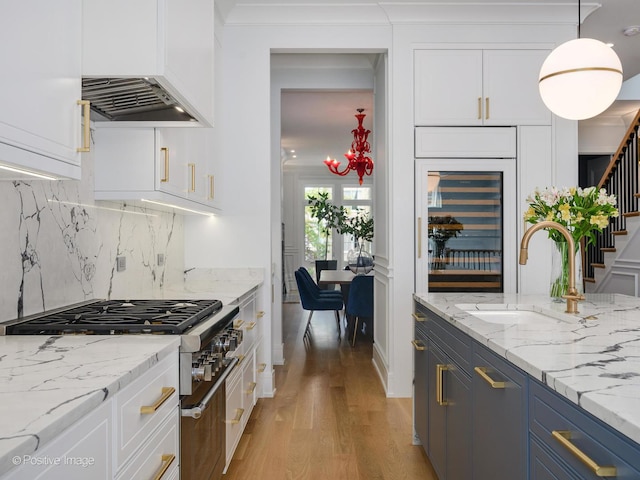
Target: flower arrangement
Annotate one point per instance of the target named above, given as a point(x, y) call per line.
point(442, 229)
point(582, 211)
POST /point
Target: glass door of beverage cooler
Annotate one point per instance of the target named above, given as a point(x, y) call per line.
point(466, 225)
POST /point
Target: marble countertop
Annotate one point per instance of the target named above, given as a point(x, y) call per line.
point(592, 358)
point(49, 382)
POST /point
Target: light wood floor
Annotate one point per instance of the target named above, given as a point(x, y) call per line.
point(330, 418)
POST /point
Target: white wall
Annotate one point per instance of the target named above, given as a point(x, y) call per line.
point(250, 235)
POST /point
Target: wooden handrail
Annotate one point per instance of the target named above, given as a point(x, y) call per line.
point(631, 131)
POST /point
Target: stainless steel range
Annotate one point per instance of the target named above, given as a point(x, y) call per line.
point(207, 342)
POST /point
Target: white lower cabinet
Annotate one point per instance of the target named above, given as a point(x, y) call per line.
point(82, 451)
point(133, 435)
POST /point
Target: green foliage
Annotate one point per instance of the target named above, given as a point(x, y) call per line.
point(360, 226)
point(328, 215)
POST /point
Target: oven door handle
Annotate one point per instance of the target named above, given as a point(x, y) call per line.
point(196, 412)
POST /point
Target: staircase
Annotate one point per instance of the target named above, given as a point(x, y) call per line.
point(612, 264)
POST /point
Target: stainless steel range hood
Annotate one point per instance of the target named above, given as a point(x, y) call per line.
point(132, 99)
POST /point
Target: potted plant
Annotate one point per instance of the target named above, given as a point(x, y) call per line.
point(360, 226)
point(329, 217)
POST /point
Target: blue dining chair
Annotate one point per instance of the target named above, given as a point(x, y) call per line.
point(360, 301)
point(312, 301)
point(313, 286)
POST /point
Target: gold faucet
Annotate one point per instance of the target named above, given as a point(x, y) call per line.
point(572, 296)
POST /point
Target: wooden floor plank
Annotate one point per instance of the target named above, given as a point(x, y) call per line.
point(330, 418)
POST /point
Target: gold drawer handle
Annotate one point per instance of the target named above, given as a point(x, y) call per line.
point(167, 460)
point(479, 108)
point(252, 387)
point(236, 419)
point(564, 437)
point(417, 345)
point(262, 367)
point(192, 168)
point(86, 137)
point(440, 369)
point(419, 237)
point(166, 393)
point(260, 314)
point(486, 112)
point(240, 359)
point(251, 326)
point(211, 188)
point(238, 323)
point(418, 318)
point(165, 151)
point(482, 371)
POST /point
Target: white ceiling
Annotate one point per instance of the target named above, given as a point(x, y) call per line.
point(317, 124)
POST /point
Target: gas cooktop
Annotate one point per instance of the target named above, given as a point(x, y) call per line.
point(115, 317)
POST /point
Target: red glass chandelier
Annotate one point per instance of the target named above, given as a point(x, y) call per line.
point(357, 155)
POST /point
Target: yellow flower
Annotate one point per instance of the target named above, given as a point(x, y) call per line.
point(601, 221)
point(565, 212)
point(572, 190)
point(530, 213)
point(579, 217)
point(549, 216)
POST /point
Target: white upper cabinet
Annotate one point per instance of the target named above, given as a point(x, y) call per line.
point(167, 165)
point(169, 41)
point(40, 118)
point(479, 87)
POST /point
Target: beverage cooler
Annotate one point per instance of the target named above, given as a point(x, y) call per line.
point(466, 207)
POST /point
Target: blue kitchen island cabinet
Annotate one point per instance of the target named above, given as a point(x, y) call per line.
point(499, 417)
point(420, 387)
point(499, 421)
point(446, 414)
point(576, 443)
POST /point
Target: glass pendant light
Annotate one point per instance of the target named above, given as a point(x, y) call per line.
point(581, 78)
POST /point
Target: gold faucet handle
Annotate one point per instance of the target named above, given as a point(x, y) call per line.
point(577, 296)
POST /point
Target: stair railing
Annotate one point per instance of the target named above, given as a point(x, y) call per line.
point(620, 178)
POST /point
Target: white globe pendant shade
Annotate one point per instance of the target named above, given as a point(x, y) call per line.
point(580, 79)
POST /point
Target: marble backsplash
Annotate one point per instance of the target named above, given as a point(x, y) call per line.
point(58, 246)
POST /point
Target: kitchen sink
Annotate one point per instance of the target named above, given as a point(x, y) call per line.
point(510, 314)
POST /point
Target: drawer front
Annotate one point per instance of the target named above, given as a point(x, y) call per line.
point(248, 386)
point(586, 437)
point(159, 456)
point(234, 413)
point(545, 466)
point(150, 390)
point(452, 341)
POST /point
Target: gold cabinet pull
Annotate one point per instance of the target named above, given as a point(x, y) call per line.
point(240, 359)
point(235, 420)
point(86, 131)
point(417, 345)
point(262, 367)
point(238, 323)
point(564, 437)
point(479, 108)
point(418, 318)
point(260, 314)
point(252, 387)
point(211, 189)
point(482, 371)
point(419, 237)
point(251, 325)
point(192, 169)
point(486, 108)
point(440, 369)
point(167, 460)
point(165, 152)
point(166, 393)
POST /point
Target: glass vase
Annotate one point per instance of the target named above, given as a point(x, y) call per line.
point(359, 260)
point(560, 270)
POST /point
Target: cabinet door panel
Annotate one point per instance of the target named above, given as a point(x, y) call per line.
point(41, 84)
point(546, 467)
point(421, 389)
point(499, 420)
point(459, 445)
point(448, 87)
point(511, 87)
point(172, 164)
point(437, 414)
